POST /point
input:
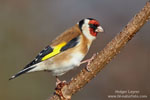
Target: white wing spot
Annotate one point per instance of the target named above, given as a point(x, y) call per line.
point(40, 54)
point(36, 59)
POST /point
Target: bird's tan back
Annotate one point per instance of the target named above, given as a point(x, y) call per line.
point(67, 35)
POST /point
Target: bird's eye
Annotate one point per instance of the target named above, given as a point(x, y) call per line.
point(94, 26)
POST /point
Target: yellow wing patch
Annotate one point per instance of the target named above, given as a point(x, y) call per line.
point(56, 51)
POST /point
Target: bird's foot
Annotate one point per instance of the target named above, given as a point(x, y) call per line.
point(88, 61)
point(59, 86)
point(59, 82)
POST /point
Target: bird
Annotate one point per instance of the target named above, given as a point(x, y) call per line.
point(66, 51)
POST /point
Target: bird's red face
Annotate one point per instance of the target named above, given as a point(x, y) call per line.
point(94, 27)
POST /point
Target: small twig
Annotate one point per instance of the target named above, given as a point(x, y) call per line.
point(104, 56)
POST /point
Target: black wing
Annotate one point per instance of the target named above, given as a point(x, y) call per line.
point(70, 44)
point(49, 49)
point(43, 53)
point(38, 58)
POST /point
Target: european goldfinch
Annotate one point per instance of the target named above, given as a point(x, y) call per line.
point(66, 51)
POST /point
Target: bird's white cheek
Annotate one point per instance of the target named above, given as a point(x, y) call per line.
point(86, 32)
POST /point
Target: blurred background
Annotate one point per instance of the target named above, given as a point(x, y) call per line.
point(27, 26)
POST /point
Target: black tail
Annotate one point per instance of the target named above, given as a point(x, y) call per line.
point(21, 72)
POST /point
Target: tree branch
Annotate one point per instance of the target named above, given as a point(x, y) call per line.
point(104, 56)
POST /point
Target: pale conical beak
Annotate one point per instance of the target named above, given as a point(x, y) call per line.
point(99, 29)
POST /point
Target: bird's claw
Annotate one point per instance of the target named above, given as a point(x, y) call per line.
point(89, 62)
point(59, 81)
point(59, 86)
